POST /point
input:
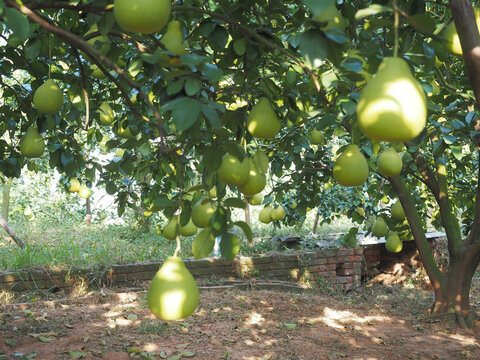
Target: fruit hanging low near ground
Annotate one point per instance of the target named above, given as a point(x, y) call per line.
point(173, 293)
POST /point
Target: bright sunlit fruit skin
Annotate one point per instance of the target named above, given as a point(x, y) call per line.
point(389, 163)
point(256, 199)
point(397, 211)
point(453, 41)
point(84, 192)
point(74, 185)
point(173, 38)
point(351, 167)
point(171, 230)
point(392, 106)
point(277, 213)
point(233, 171)
point(142, 16)
point(265, 215)
point(255, 183)
point(48, 98)
point(263, 122)
point(173, 293)
point(32, 144)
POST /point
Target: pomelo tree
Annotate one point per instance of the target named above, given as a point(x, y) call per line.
point(176, 104)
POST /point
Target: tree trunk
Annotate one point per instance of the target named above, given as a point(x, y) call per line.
point(315, 222)
point(247, 212)
point(6, 198)
point(453, 300)
point(88, 211)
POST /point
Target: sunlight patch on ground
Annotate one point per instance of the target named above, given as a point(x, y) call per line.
point(151, 347)
point(461, 339)
point(255, 319)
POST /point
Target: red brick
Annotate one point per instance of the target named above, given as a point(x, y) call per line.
point(354, 258)
point(344, 279)
point(345, 252)
point(330, 267)
point(348, 272)
point(327, 274)
point(331, 260)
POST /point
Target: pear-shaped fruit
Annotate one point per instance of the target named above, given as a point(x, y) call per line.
point(202, 212)
point(84, 192)
point(32, 144)
point(397, 211)
point(173, 293)
point(277, 213)
point(389, 163)
point(188, 230)
point(265, 215)
point(351, 167)
point(233, 171)
point(316, 137)
point(143, 16)
point(48, 98)
point(379, 228)
point(27, 211)
point(106, 114)
point(453, 41)
point(74, 185)
point(173, 38)
point(213, 192)
point(332, 16)
point(393, 242)
point(263, 122)
point(392, 106)
point(256, 199)
point(255, 183)
point(171, 230)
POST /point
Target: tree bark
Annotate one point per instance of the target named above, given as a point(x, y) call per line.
point(6, 198)
point(315, 223)
point(11, 232)
point(88, 211)
point(247, 212)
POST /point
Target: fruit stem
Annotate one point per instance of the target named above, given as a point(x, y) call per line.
point(49, 56)
point(395, 34)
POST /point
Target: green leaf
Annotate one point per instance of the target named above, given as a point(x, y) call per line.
point(77, 354)
point(192, 86)
point(187, 353)
point(239, 46)
point(175, 87)
point(193, 59)
point(261, 162)
point(17, 22)
point(246, 229)
point(212, 115)
point(372, 10)
point(175, 357)
point(235, 202)
point(185, 113)
point(218, 38)
point(135, 67)
point(10, 343)
point(212, 72)
point(290, 325)
point(44, 339)
point(313, 46)
point(32, 50)
point(318, 6)
point(229, 246)
point(203, 244)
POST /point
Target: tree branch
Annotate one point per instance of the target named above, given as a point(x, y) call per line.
point(11, 232)
point(84, 88)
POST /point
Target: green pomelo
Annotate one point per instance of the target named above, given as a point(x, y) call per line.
point(397, 211)
point(188, 230)
point(393, 242)
point(48, 98)
point(316, 137)
point(351, 167)
point(333, 18)
point(84, 192)
point(265, 215)
point(453, 41)
point(233, 171)
point(379, 228)
point(392, 106)
point(256, 199)
point(173, 38)
point(74, 185)
point(106, 114)
point(389, 163)
point(173, 293)
point(32, 144)
point(277, 213)
point(202, 212)
point(142, 16)
point(262, 121)
point(101, 42)
point(255, 183)
point(170, 231)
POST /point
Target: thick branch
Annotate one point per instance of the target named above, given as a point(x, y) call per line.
point(408, 204)
point(466, 25)
point(84, 89)
point(11, 232)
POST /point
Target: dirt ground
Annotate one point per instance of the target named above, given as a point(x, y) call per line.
point(376, 322)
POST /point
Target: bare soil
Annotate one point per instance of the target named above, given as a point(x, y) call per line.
point(376, 322)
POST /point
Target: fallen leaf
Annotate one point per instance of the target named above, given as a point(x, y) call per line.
point(175, 357)
point(10, 343)
point(290, 325)
point(77, 354)
point(187, 353)
point(45, 339)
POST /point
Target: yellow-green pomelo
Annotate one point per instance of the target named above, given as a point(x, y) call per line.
point(101, 42)
point(233, 171)
point(392, 106)
point(332, 16)
point(28, 211)
point(265, 215)
point(32, 144)
point(202, 212)
point(379, 228)
point(48, 98)
point(188, 230)
point(106, 114)
point(173, 38)
point(351, 167)
point(256, 199)
point(316, 137)
point(173, 293)
point(393, 242)
point(452, 40)
point(397, 211)
point(213, 192)
point(170, 231)
point(255, 183)
point(84, 192)
point(389, 163)
point(277, 213)
point(74, 185)
point(262, 121)
point(119, 152)
point(143, 16)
